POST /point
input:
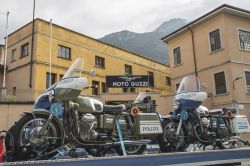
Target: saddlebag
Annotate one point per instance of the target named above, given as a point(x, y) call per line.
point(147, 124)
point(106, 121)
point(240, 124)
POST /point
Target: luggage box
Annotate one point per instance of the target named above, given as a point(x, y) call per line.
point(240, 124)
point(147, 124)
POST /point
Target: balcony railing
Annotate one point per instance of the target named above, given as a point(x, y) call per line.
point(18, 94)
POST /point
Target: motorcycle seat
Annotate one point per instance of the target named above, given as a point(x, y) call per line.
point(215, 111)
point(113, 108)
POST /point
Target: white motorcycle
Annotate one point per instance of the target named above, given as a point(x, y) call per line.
point(191, 123)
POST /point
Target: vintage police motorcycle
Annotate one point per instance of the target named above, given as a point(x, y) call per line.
point(191, 123)
point(71, 120)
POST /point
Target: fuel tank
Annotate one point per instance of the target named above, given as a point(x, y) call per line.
point(89, 105)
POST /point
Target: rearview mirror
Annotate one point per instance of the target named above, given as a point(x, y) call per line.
point(92, 73)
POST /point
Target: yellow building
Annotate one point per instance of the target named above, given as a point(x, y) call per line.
point(28, 71)
point(216, 48)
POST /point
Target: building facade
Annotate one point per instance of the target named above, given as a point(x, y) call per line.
point(29, 79)
point(216, 48)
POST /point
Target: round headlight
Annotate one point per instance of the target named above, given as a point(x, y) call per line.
point(176, 104)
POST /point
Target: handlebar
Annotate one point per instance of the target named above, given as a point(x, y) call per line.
point(93, 86)
point(90, 87)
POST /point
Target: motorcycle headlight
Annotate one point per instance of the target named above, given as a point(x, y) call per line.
point(176, 104)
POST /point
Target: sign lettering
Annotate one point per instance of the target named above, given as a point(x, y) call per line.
point(134, 81)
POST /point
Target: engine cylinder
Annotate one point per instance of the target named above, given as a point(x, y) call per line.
point(88, 124)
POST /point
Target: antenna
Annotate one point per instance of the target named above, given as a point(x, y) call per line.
point(50, 53)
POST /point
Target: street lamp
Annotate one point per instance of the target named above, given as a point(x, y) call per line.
point(5, 53)
point(235, 97)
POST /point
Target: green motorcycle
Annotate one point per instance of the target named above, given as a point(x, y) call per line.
point(62, 118)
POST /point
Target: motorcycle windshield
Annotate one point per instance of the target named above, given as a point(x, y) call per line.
point(140, 98)
point(189, 84)
point(75, 69)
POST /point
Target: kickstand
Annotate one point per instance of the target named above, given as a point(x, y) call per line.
point(204, 147)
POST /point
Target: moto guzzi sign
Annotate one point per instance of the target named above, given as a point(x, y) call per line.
point(134, 81)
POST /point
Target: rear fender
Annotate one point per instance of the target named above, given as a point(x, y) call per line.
point(40, 111)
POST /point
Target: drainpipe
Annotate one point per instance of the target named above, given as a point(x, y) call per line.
point(32, 44)
point(195, 63)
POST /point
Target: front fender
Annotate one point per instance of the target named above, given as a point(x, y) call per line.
point(39, 111)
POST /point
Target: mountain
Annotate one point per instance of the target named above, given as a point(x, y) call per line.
point(147, 44)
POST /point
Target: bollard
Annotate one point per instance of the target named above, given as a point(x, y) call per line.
point(1, 148)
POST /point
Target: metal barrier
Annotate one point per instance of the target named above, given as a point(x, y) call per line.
point(9, 95)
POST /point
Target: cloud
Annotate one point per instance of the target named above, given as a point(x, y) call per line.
point(97, 18)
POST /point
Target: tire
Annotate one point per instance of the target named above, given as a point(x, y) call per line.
point(25, 128)
point(168, 141)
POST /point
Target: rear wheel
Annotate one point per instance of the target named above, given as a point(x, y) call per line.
point(28, 144)
point(169, 141)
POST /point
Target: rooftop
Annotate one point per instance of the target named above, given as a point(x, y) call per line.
point(39, 19)
point(225, 8)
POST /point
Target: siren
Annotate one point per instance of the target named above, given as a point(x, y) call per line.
point(135, 111)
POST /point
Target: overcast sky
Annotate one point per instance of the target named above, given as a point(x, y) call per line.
point(97, 18)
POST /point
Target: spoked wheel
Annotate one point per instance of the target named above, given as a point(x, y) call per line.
point(169, 141)
point(131, 149)
point(29, 144)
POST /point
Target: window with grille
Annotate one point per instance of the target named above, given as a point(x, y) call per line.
point(124, 90)
point(215, 41)
point(244, 37)
point(177, 86)
point(128, 69)
point(168, 81)
point(53, 79)
point(247, 74)
point(25, 50)
point(177, 55)
point(13, 55)
point(95, 91)
point(61, 76)
point(64, 52)
point(220, 83)
point(132, 90)
point(104, 88)
point(99, 62)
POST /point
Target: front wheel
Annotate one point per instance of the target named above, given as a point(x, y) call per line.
point(169, 141)
point(28, 144)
